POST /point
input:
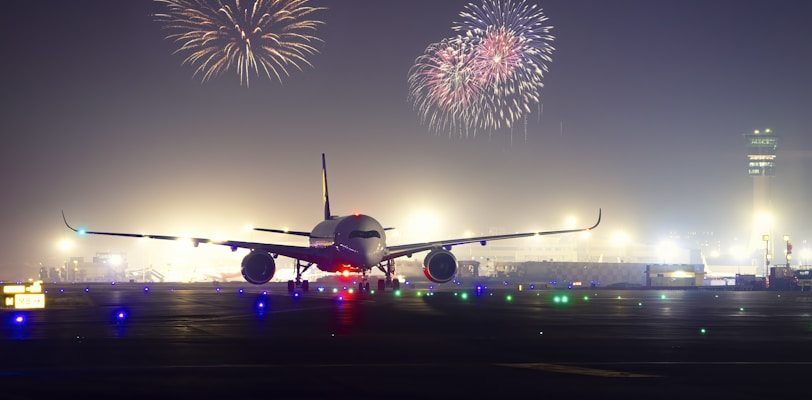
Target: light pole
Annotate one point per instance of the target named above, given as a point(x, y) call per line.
point(788, 249)
point(766, 239)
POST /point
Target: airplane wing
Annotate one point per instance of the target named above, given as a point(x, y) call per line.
point(284, 231)
point(409, 249)
point(298, 252)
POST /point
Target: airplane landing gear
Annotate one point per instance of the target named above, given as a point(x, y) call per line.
point(363, 286)
point(299, 283)
point(389, 270)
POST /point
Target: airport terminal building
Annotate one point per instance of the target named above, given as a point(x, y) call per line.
point(588, 274)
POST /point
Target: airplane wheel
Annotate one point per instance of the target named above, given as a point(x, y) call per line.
point(305, 285)
point(381, 285)
point(361, 287)
point(366, 286)
point(291, 286)
point(395, 284)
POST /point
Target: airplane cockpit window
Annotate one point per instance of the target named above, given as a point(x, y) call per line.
point(365, 234)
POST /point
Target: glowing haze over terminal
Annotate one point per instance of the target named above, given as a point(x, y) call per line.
point(641, 113)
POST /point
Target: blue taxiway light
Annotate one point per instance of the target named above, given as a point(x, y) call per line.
point(18, 319)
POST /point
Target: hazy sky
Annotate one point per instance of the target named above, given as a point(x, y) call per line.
point(644, 107)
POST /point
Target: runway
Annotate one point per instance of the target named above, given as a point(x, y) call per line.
point(200, 340)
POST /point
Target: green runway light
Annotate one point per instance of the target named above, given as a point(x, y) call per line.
point(464, 296)
point(618, 297)
point(335, 290)
point(561, 299)
point(703, 331)
point(419, 293)
point(662, 296)
point(372, 291)
point(586, 298)
point(741, 308)
point(509, 298)
point(640, 304)
point(397, 293)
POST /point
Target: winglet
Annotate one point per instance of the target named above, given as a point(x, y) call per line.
point(67, 224)
point(596, 223)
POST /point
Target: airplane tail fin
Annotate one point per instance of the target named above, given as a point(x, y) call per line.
point(324, 188)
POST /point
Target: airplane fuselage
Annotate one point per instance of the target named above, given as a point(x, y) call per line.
point(354, 242)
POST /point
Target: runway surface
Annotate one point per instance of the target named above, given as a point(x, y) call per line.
point(205, 341)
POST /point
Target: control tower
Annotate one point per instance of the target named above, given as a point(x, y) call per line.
point(761, 147)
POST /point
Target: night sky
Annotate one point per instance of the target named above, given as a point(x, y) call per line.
point(644, 108)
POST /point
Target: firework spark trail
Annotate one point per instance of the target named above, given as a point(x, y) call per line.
point(268, 36)
point(512, 49)
point(444, 86)
point(502, 54)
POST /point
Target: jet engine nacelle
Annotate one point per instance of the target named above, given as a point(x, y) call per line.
point(440, 266)
point(258, 267)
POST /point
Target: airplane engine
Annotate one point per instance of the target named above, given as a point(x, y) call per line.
point(440, 266)
point(258, 267)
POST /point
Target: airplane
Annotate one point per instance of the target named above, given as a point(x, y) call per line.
point(353, 243)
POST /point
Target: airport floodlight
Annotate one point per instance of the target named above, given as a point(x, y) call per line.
point(620, 239)
point(65, 244)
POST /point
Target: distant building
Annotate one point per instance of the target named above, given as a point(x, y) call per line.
point(587, 274)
